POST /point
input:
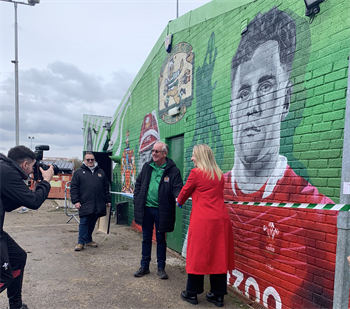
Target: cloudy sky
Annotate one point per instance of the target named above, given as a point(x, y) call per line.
point(75, 57)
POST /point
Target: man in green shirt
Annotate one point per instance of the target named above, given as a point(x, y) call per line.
point(157, 186)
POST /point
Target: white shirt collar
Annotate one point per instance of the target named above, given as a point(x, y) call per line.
point(276, 175)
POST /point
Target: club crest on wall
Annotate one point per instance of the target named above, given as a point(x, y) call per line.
point(175, 85)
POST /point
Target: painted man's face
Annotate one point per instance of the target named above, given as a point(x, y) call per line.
point(258, 104)
point(144, 157)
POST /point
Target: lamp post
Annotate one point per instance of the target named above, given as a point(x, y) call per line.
point(177, 8)
point(31, 3)
point(31, 141)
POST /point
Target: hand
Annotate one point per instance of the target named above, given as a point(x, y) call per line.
point(48, 174)
point(108, 204)
point(77, 205)
point(34, 186)
point(177, 203)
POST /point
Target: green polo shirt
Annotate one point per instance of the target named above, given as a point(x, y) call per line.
point(156, 176)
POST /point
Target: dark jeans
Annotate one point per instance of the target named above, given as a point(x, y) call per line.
point(86, 227)
point(218, 284)
point(150, 218)
point(13, 260)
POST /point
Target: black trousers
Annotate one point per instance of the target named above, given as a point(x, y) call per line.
point(218, 284)
point(13, 259)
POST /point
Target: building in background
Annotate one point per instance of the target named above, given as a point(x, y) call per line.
point(59, 181)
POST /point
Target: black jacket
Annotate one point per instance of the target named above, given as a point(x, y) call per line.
point(91, 190)
point(168, 192)
point(14, 192)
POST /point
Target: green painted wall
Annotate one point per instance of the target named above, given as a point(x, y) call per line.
point(311, 135)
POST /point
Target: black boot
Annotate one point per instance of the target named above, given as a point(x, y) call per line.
point(189, 297)
point(217, 300)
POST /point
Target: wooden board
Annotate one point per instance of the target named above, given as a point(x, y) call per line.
point(103, 223)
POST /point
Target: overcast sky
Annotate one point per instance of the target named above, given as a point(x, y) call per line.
point(75, 57)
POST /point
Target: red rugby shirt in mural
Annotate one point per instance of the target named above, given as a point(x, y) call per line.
point(291, 188)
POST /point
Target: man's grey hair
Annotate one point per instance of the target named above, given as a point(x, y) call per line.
point(165, 147)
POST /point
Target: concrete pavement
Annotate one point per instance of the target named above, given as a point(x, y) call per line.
point(96, 278)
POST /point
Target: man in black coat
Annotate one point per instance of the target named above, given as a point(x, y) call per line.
point(89, 192)
point(14, 170)
point(156, 188)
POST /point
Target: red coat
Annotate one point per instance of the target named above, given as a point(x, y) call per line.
point(210, 247)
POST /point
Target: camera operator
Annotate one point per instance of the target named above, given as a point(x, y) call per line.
point(14, 169)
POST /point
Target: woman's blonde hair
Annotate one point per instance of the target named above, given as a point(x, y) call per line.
point(206, 161)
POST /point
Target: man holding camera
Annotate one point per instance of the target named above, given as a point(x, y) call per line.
point(14, 170)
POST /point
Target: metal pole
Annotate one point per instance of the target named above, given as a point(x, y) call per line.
point(342, 273)
point(31, 142)
point(177, 8)
point(30, 3)
point(16, 78)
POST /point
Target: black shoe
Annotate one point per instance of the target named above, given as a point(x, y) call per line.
point(217, 300)
point(23, 306)
point(162, 274)
point(191, 298)
point(141, 272)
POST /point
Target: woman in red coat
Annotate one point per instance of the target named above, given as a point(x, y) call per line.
point(210, 248)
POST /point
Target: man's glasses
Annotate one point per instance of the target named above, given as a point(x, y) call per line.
point(157, 151)
point(90, 160)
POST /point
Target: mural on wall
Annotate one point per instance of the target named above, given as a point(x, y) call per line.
point(176, 82)
point(271, 247)
point(282, 255)
point(89, 140)
point(260, 100)
point(207, 127)
point(95, 133)
point(149, 135)
point(127, 167)
point(205, 132)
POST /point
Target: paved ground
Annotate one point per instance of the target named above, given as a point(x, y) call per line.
point(57, 277)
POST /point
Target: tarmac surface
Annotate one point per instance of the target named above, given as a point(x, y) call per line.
point(57, 277)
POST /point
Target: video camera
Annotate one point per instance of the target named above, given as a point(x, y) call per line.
point(39, 156)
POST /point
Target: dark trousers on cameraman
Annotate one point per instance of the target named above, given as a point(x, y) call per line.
point(13, 260)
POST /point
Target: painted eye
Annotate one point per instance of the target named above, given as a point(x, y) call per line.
point(244, 94)
point(264, 88)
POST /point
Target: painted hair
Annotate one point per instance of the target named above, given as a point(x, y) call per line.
point(19, 154)
point(274, 25)
point(206, 161)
